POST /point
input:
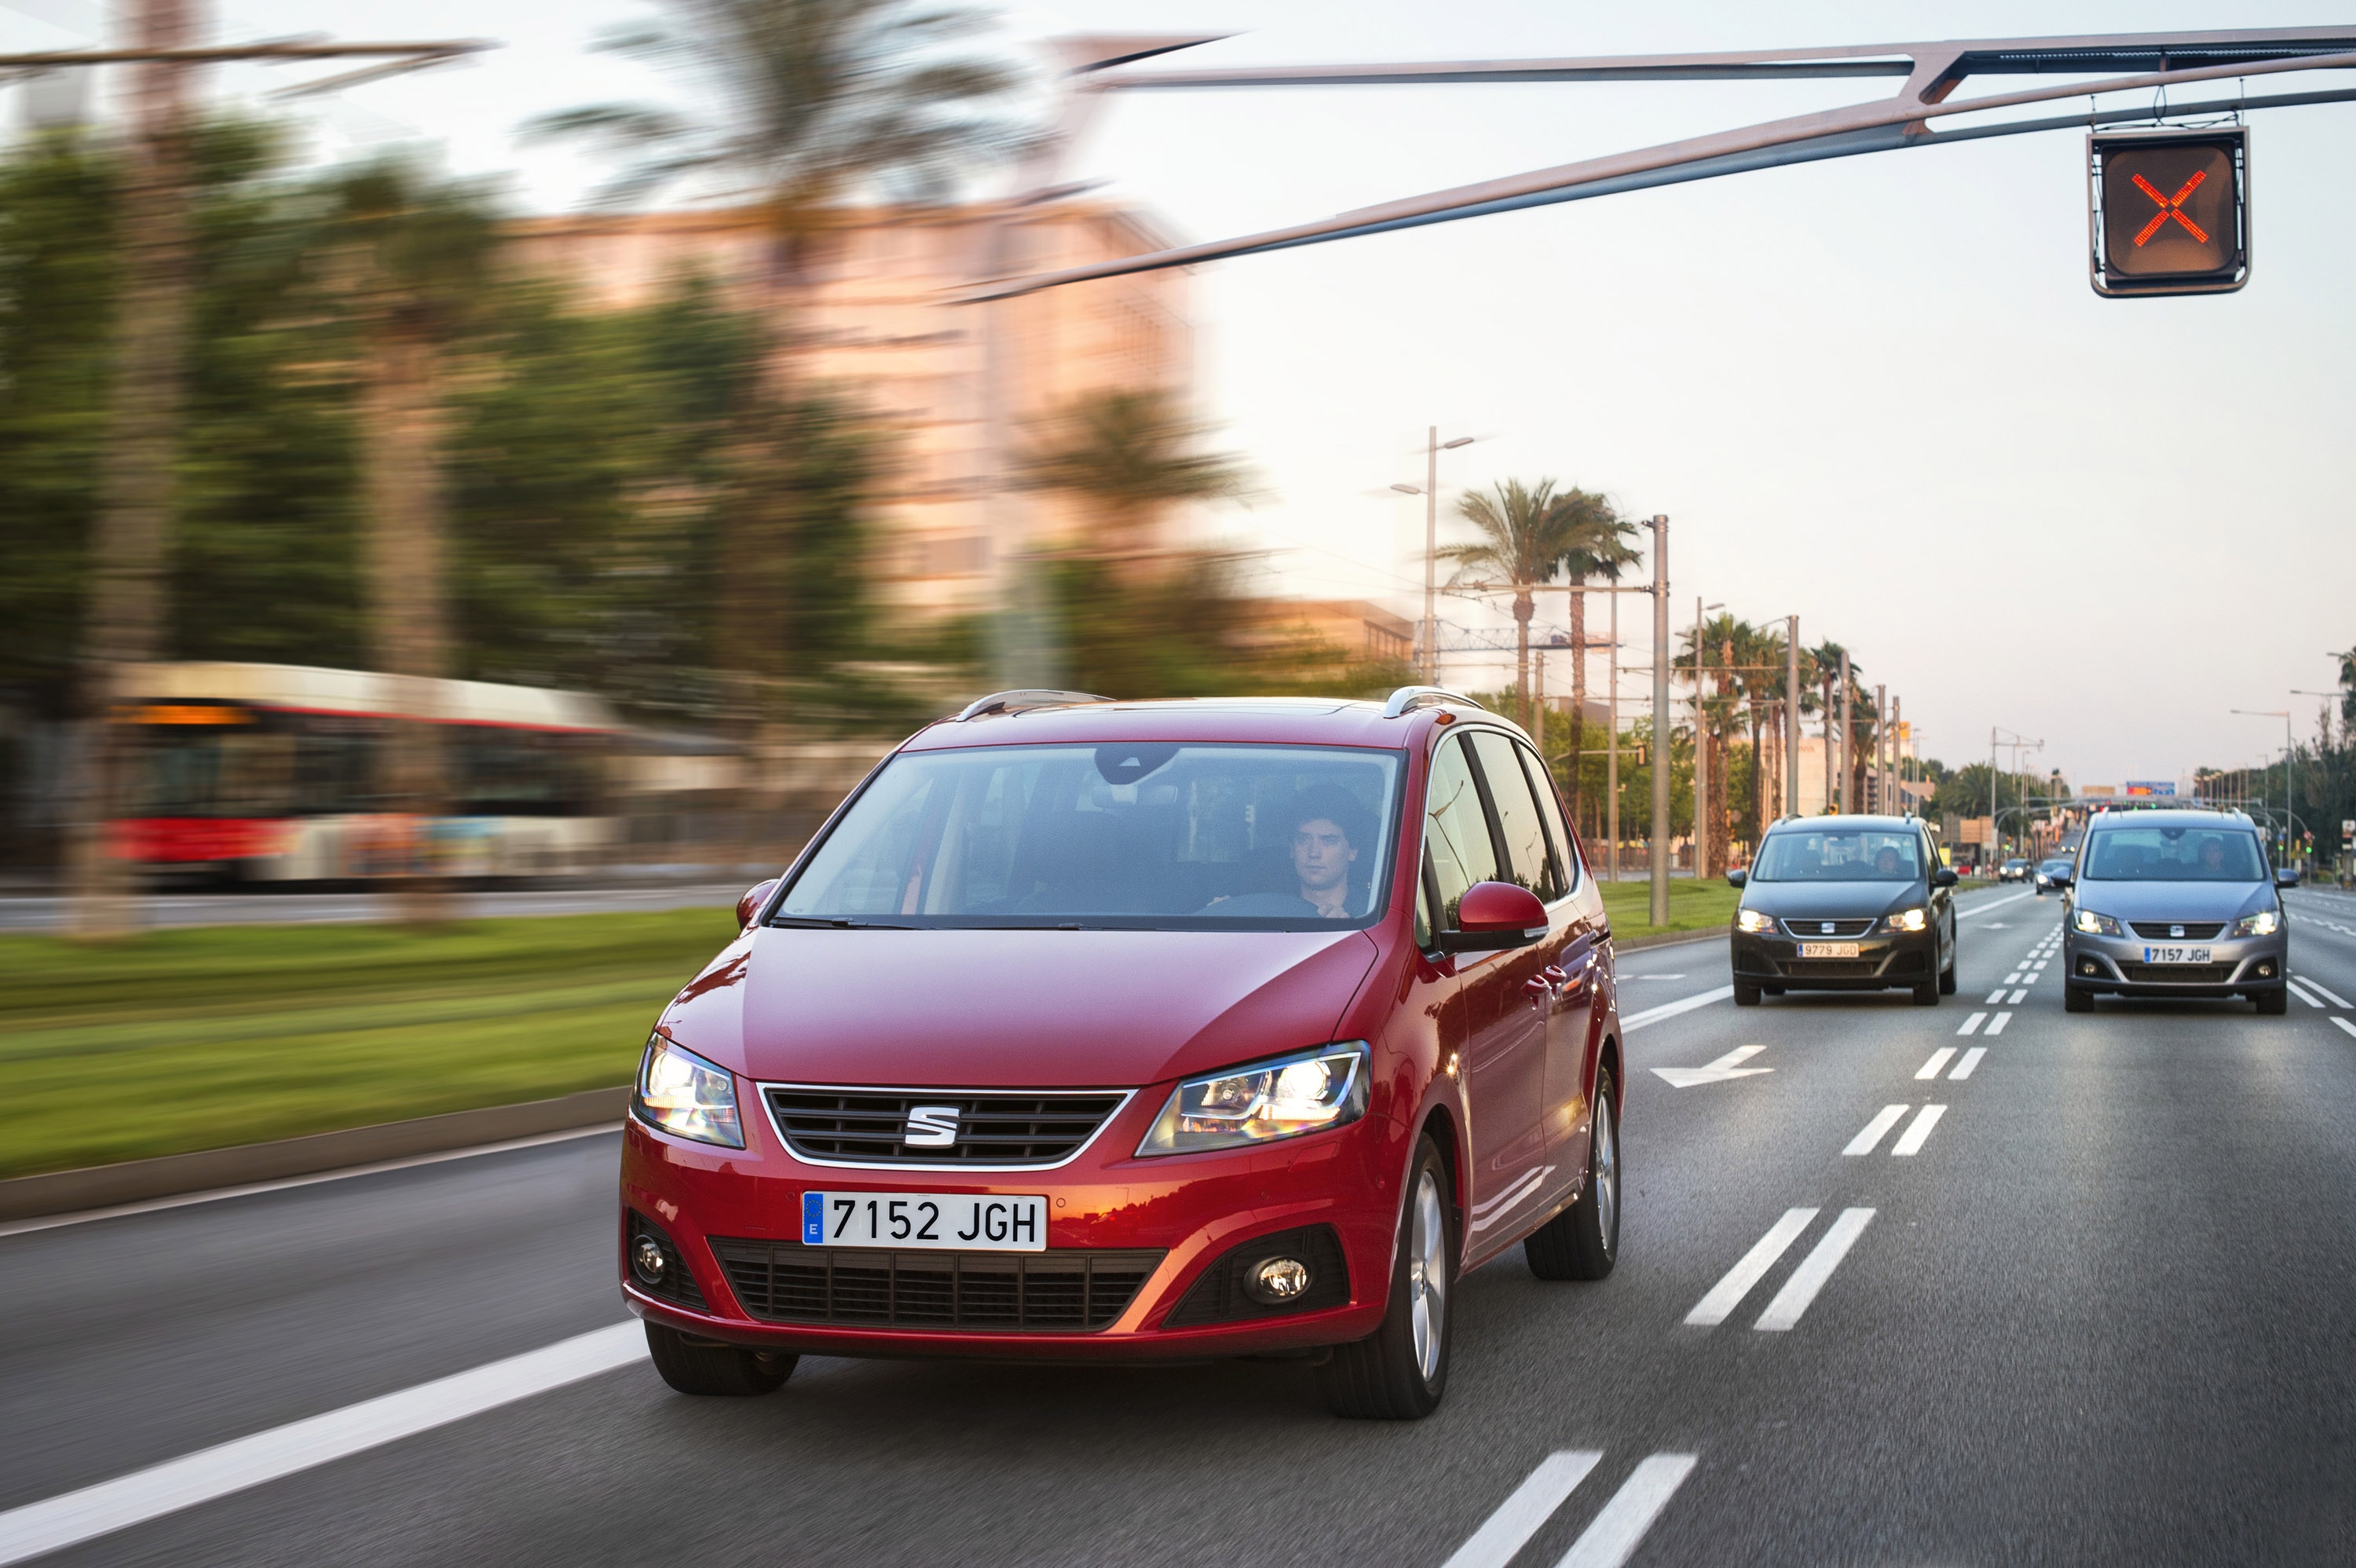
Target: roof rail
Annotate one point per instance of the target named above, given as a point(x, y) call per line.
point(1017, 700)
point(1408, 698)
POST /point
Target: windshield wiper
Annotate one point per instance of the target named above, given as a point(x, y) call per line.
point(803, 923)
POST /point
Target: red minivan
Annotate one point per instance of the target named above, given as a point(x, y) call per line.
point(1140, 1029)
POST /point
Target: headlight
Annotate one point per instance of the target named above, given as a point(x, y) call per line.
point(2265, 922)
point(1910, 919)
point(685, 1095)
point(1753, 921)
point(1305, 1094)
point(2094, 924)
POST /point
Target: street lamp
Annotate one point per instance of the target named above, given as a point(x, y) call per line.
point(1701, 748)
point(1430, 491)
point(2289, 805)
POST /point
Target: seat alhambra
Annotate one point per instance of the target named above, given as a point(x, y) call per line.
point(2175, 902)
point(1094, 1029)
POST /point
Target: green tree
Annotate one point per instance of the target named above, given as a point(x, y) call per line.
point(1601, 544)
point(1527, 535)
point(1127, 457)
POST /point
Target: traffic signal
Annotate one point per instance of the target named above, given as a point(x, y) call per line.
point(2168, 211)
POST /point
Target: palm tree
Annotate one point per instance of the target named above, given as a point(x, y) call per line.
point(1601, 547)
point(1127, 457)
point(1527, 532)
point(1716, 656)
point(1826, 658)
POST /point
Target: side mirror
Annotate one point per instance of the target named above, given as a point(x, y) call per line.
point(748, 908)
point(2286, 876)
point(1944, 877)
point(1494, 916)
point(1737, 876)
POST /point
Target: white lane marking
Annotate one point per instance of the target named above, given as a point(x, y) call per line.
point(1995, 1024)
point(2033, 977)
point(2014, 978)
point(1885, 1119)
point(1972, 1024)
point(1939, 1058)
point(1653, 977)
point(214, 1195)
point(2017, 997)
point(1727, 1295)
point(1613, 1537)
point(2038, 964)
point(2343, 1023)
point(75, 1517)
point(1918, 1132)
point(1815, 1269)
point(1728, 1066)
point(1517, 1519)
point(2311, 984)
point(2300, 992)
point(1996, 995)
point(1979, 910)
point(1671, 1009)
point(1964, 1068)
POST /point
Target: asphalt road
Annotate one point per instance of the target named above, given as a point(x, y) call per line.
point(2101, 1308)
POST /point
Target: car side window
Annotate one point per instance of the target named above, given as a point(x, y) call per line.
point(1528, 859)
point(1423, 911)
point(1455, 829)
point(1566, 852)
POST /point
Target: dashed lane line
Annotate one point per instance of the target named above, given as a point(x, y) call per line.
point(1972, 1024)
point(1918, 1132)
point(2017, 997)
point(1616, 1532)
point(1609, 1539)
point(1634, 1021)
point(1996, 1025)
point(2310, 982)
point(2301, 992)
point(1783, 1312)
point(1727, 1295)
point(75, 1517)
point(1996, 995)
point(1971, 1060)
point(1522, 1514)
point(2343, 1023)
point(1883, 1120)
point(1939, 1059)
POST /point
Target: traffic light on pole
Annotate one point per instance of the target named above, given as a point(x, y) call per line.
point(2168, 211)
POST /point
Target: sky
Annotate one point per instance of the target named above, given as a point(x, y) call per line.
point(1876, 392)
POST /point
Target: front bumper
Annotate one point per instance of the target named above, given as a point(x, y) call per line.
point(1883, 959)
point(2240, 965)
point(735, 1218)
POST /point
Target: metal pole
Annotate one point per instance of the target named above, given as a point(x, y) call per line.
point(1660, 721)
point(2290, 800)
point(1848, 745)
point(1430, 556)
point(1880, 724)
point(1611, 759)
point(1701, 753)
point(1994, 803)
point(1792, 717)
point(1897, 763)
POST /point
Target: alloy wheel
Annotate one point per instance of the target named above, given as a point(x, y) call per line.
point(1607, 1173)
point(1427, 1276)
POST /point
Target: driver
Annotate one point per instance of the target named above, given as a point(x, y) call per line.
point(1885, 864)
point(2213, 856)
point(1327, 828)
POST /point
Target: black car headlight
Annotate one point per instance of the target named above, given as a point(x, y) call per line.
point(1753, 921)
point(1306, 1093)
point(687, 1096)
point(1916, 919)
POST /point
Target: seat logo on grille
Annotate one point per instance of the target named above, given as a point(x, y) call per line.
point(1828, 928)
point(2174, 931)
point(930, 1127)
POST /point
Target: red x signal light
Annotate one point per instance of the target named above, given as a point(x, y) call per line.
point(2170, 211)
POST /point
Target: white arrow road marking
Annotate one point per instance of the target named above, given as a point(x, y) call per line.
point(2309, 982)
point(1964, 1068)
point(2343, 1023)
point(1671, 1009)
point(1613, 1538)
point(1888, 1118)
point(1972, 1024)
point(2300, 992)
point(1996, 1025)
point(1783, 1312)
point(1918, 1131)
point(74, 1517)
point(1517, 1519)
point(1939, 1058)
point(1728, 1066)
point(1727, 1295)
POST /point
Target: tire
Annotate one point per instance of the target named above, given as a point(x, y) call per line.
point(696, 1367)
point(2273, 1003)
point(1584, 1240)
point(1947, 979)
point(1927, 994)
point(1745, 994)
point(1399, 1372)
point(2077, 1000)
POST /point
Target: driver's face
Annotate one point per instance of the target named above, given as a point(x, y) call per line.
point(2212, 855)
point(1886, 861)
point(1321, 854)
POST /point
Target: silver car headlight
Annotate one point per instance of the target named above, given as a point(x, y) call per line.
point(2094, 924)
point(1753, 921)
point(1910, 919)
point(1307, 1093)
point(2265, 922)
point(687, 1096)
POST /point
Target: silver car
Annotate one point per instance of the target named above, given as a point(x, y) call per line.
point(2174, 904)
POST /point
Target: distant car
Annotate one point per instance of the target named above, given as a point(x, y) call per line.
point(2174, 903)
point(2013, 870)
point(2047, 871)
point(1845, 903)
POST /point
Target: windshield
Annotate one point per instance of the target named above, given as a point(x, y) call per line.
point(1840, 855)
point(2174, 855)
point(1155, 835)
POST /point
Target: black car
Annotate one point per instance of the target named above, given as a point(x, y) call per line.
point(2053, 873)
point(1845, 903)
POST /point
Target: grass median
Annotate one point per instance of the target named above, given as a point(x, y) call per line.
point(194, 1039)
point(1693, 906)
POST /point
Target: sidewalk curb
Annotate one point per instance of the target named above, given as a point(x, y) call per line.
point(168, 1176)
point(1668, 939)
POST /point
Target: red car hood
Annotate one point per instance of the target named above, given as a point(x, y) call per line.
point(1018, 1008)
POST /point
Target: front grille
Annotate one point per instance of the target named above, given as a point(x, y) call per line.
point(1831, 968)
point(1815, 929)
point(2177, 974)
point(866, 1126)
point(1067, 1292)
point(2190, 930)
point(1219, 1296)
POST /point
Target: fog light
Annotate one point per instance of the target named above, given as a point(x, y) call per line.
point(2266, 971)
point(648, 1259)
point(1275, 1281)
point(2088, 966)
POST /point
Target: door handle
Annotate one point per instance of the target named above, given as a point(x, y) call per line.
point(1539, 988)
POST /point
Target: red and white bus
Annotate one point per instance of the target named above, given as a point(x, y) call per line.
point(273, 772)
